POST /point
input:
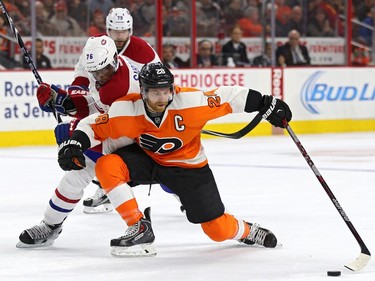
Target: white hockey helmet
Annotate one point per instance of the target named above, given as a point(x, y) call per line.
point(100, 52)
point(119, 19)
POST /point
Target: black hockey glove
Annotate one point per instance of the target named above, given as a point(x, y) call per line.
point(275, 111)
point(71, 156)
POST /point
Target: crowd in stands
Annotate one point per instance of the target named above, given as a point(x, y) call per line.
point(214, 19)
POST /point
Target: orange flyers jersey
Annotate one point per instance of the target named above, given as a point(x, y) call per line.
point(177, 140)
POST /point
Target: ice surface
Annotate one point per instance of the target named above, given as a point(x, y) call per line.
point(261, 179)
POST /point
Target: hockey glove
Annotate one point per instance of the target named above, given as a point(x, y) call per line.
point(62, 102)
point(78, 90)
point(275, 111)
point(64, 130)
point(71, 156)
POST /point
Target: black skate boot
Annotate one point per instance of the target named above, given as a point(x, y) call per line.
point(98, 203)
point(137, 240)
point(260, 236)
point(40, 235)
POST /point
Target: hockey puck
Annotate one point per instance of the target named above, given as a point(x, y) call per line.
point(334, 273)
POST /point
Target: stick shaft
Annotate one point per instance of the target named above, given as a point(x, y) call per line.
point(26, 55)
point(239, 134)
point(330, 194)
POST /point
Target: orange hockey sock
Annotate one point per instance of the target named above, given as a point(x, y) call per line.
point(113, 174)
point(225, 227)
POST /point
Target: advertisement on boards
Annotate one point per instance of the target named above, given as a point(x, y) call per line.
point(330, 93)
point(312, 93)
point(19, 109)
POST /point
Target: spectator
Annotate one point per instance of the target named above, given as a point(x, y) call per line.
point(49, 6)
point(22, 23)
point(281, 28)
point(42, 61)
point(5, 59)
point(23, 6)
point(98, 24)
point(102, 5)
point(205, 27)
point(205, 56)
point(177, 23)
point(144, 18)
point(292, 53)
point(232, 13)
point(364, 8)
point(43, 25)
point(364, 33)
point(235, 49)
point(360, 56)
point(319, 26)
point(66, 25)
point(331, 14)
point(295, 21)
point(265, 58)
point(250, 24)
point(211, 10)
point(213, 15)
point(170, 59)
point(283, 11)
point(78, 10)
point(5, 31)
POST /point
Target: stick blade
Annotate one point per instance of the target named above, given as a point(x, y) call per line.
point(359, 263)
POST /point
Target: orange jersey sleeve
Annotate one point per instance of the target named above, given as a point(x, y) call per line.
point(177, 140)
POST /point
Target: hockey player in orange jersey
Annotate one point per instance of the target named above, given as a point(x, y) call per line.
point(166, 120)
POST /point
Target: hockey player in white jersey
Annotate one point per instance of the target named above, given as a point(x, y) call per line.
point(114, 75)
point(119, 24)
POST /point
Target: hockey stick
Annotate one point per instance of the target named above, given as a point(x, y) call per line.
point(239, 134)
point(365, 254)
point(27, 57)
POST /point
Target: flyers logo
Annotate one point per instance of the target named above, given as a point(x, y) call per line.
point(101, 119)
point(160, 146)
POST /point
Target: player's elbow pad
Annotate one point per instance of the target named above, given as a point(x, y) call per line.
point(254, 101)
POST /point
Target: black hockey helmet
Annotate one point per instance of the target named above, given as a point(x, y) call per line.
point(155, 75)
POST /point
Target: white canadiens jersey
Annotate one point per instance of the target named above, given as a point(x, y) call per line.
point(124, 81)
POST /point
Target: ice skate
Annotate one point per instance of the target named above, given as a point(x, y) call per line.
point(98, 203)
point(40, 235)
point(260, 236)
point(137, 240)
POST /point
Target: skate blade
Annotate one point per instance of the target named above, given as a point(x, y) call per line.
point(104, 208)
point(143, 250)
point(42, 245)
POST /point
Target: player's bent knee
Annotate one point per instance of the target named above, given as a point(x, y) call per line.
point(221, 228)
point(111, 171)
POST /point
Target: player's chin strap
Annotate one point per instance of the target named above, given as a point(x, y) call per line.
point(239, 134)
